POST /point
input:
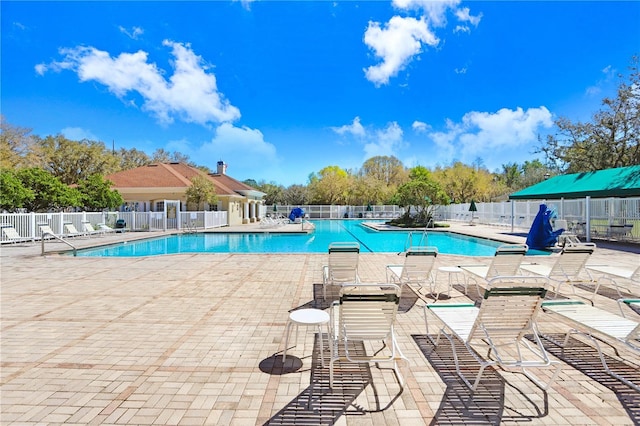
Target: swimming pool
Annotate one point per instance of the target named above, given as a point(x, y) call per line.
point(327, 231)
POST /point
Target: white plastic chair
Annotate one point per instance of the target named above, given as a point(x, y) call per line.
point(365, 314)
point(506, 315)
point(342, 267)
point(506, 262)
point(568, 267)
point(419, 263)
point(598, 325)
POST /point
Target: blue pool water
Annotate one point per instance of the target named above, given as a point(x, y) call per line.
point(327, 231)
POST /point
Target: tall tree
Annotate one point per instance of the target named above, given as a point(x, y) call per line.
point(96, 194)
point(73, 161)
point(132, 158)
point(16, 146)
point(295, 195)
point(421, 193)
point(201, 191)
point(13, 194)
point(610, 140)
point(49, 192)
point(330, 186)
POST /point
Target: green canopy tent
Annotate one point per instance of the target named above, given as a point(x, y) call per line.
point(619, 182)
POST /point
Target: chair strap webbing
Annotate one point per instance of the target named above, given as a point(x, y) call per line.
point(370, 298)
point(516, 291)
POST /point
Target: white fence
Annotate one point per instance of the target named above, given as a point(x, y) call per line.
point(610, 218)
point(27, 224)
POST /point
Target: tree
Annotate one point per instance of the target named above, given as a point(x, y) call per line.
point(511, 175)
point(13, 195)
point(387, 169)
point(610, 140)
point(421, 194)
point(131, 159)
point(330, 186)
point(49, 192)
point(296, 195)
point(272, 190)
point(74, 161)
point(201, 191)
point(96, 194)
point(464, 182)
point(16, 145)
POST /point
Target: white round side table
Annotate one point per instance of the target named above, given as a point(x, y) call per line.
point(453, 271)
point(306, 317)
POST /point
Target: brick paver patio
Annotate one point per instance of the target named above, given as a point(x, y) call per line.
point(198, 339)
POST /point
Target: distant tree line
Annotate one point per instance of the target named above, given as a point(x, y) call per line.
point(55, 173)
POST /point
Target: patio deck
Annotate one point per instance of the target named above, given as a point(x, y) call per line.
point(197, 339)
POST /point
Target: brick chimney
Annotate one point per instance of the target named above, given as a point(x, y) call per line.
point(222, 168)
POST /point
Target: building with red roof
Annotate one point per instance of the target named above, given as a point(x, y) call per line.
point(151, 187)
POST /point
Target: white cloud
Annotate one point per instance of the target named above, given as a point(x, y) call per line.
point(246, 4)
point(435, 11)
point(354, 128)
point(464, 15)
point(484, 134)
point(134, 33)
point(462, 70)
point(609, 75)
point(242, 147)
point(420, 127)
point(396, 44)
point(402, 38)
point(190, 94)
point(385, 142)
point(78, 134)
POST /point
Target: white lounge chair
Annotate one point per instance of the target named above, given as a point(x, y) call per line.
point(616, 276)
point(506, 315)
point(632, 303)
point(365, 314)
point(598, 325)
point(11, 234)
point(342, 267)
point(71, 231)
point(506, 262)
point(105, 228)
point(90, 230)
point(417, 269)
point(45, 230)
point(568, 267)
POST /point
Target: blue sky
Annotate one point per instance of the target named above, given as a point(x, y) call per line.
point(279, 90)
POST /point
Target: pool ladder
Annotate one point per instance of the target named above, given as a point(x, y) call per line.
point(424, 240)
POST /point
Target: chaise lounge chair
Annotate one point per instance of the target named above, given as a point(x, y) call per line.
point(90, 230)
point(417, 269)
point(365, 313)
point(597, 325)
point(105, 228)
point(342, 267)
point(568, 268)
point(505, 262)
point(614, 275)
point(71, 231)
point(506, 315)
point(11, 234)
point(45, 230)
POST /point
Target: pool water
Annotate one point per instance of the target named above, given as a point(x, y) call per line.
point(327, 231)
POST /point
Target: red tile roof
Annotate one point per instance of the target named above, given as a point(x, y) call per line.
point(173, 175)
